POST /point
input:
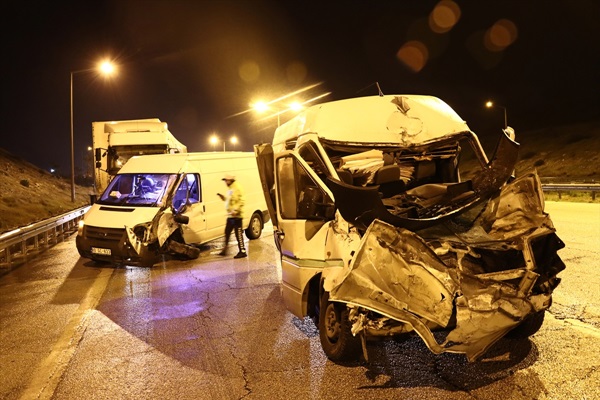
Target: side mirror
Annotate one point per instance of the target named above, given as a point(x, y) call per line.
point(98, 155)
point(329, 212)
point(182, 219)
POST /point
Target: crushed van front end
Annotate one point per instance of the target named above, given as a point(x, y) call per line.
point(476, 276)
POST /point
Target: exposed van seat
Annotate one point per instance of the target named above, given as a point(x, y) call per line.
point(386, 174)
point(425, 170)
point(388, 179)
point(442, 193)
point(345, 176)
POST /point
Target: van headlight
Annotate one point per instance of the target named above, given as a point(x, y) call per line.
point(80, 225)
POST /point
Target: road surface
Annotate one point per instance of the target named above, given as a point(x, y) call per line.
point(216, 328)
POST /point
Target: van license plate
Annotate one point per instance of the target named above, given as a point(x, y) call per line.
point(100, 251)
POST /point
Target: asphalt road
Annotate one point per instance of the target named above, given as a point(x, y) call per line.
point(216, 328)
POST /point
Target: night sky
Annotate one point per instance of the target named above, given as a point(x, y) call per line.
point(199, 64)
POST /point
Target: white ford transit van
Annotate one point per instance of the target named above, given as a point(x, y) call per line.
point(390, 219)
point(167, 203)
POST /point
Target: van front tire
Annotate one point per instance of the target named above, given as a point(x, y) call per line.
point(334, 331)
point(528, 327)
point(255, 227)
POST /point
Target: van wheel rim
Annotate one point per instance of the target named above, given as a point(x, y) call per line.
point(332, 323)
point(255, 226)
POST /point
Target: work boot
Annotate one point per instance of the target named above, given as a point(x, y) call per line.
point(241, 254)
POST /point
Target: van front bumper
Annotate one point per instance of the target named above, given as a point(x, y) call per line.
point(108, 245)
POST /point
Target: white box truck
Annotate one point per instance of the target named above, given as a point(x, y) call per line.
point(161, 204)
point(391, 219)
point(115, 142)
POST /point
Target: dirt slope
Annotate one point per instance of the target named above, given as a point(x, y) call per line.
point(29, 194)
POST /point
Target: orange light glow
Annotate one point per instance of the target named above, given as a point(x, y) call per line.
point(249, 71)
point(414, 55)
point(501, 35)
point(444, 16)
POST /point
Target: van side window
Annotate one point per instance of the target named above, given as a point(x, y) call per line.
point(194, 185)
point(299, 195)
point(310, 153)
point(189, 189)
point(287, 187)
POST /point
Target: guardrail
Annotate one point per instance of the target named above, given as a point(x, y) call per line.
point(18, 244)
point(571, 187)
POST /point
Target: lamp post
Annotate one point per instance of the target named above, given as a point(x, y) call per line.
point(214, 139)
point(106, 68)
point(278, 107)
point(490, 104)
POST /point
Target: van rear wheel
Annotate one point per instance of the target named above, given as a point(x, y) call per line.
point(334, 331)
point(255, 227)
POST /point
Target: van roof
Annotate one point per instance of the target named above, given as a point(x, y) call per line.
point(175, 163)
point(392, 119)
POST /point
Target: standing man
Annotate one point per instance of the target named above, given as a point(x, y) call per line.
point(234, 205)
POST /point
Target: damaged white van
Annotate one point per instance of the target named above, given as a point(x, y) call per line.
point(166, 204)
point(391, 219)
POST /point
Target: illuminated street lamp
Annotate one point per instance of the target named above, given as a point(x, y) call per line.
point(278, 106)
point(105, 68)
point(214, 140)
point(262, 107)
point(490, 104)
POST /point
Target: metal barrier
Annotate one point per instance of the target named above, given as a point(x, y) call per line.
point(572, 187)
point(17, 244)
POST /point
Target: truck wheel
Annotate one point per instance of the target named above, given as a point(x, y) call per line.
point(334, 331)
point(254, 227)
point(528, 327)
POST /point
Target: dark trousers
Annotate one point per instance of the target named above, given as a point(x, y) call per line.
point(235, 224)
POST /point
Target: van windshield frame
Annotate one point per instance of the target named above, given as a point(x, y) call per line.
point(139, 190)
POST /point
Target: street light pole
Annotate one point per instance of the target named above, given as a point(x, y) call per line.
point(72, 147)
point(106, 68)
point(214, 139)
point(490, 104)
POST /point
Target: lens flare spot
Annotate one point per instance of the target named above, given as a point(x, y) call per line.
point(501, 35)
point(414, 55)
point(296, 72)
point(249, 71)
point(444, 16)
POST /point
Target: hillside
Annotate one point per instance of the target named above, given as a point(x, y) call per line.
point(563, 153)
point(560, 154)
point(29, 194)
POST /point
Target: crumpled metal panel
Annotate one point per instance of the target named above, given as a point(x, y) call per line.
point(395, 270)
point(519, 209)
point(402, 276)
point(165, 227)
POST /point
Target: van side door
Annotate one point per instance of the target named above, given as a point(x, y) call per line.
point(187, 201)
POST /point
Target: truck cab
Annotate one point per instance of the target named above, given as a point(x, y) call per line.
point(391, 219)
point(115, 142)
